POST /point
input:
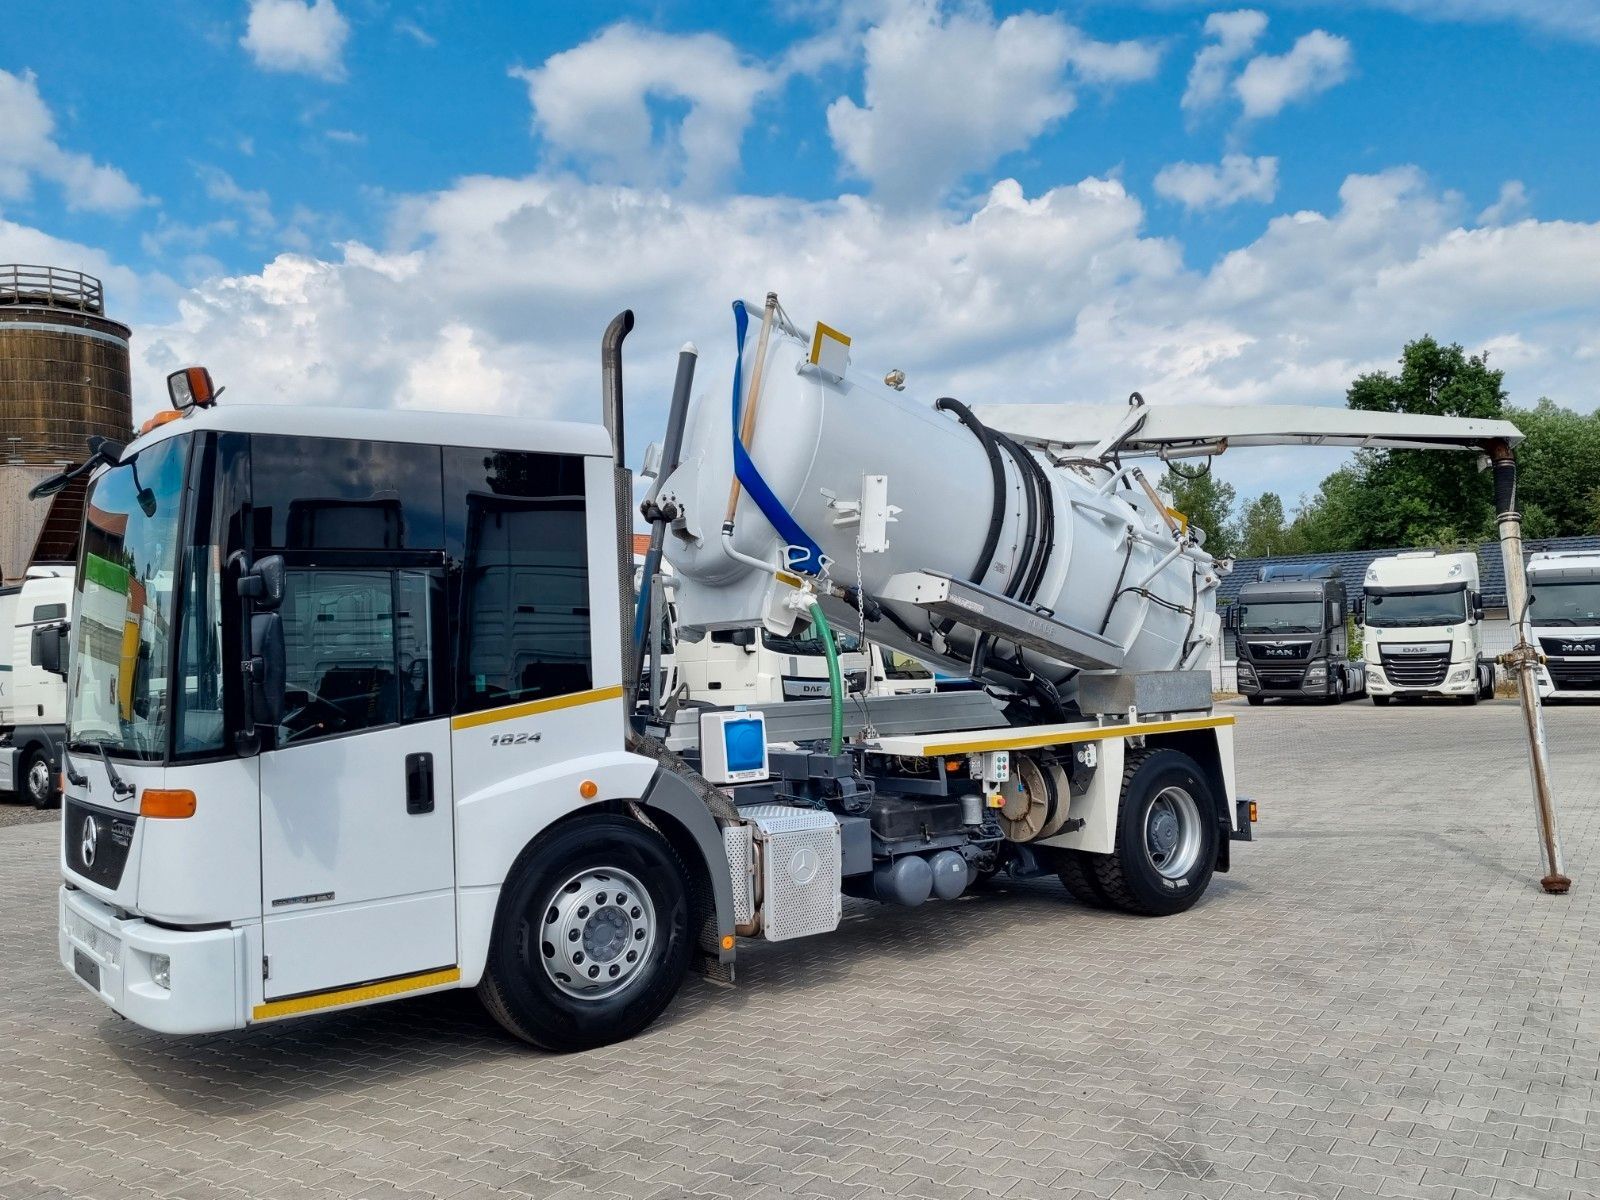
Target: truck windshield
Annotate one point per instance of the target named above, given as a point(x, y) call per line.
point(1399, 610)
point(806, 641)
point(1280, 616)
point(123, 608)
point(1561, 603)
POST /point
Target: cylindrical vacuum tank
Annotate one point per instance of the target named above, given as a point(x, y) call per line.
point(1113, 561)
point(63, 378)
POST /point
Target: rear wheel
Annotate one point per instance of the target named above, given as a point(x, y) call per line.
point(592, 937)
point(37, 785)
point(1166, 842)
point(1077, 873)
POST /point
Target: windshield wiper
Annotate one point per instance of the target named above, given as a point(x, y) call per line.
point(119, 785)
point(75, 778)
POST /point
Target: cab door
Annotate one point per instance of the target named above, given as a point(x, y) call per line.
point(357, 836)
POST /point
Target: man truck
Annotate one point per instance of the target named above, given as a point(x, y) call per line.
point(1564, 611)
point(1289, 629)
point(350, 693)
point(33, 696)
point(1422, 628)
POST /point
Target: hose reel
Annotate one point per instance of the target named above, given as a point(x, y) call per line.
point(1037, 800)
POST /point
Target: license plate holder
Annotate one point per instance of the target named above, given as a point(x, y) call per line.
point(86, 968)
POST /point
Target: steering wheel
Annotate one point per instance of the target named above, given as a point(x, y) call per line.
point(303, 719)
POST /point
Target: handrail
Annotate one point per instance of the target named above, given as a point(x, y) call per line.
point(52, 287)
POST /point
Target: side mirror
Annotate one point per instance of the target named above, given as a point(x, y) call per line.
point(1477, 612)
point(263, 583)
point(855, 681)
point(266, 668)
point(745, 637)
point(1358, 610)
point(48, 649)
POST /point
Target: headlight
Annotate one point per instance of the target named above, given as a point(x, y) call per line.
point(1316, 674)
point(1460, 676)
point(161, 970)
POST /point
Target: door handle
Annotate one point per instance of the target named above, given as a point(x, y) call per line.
point(419, 783)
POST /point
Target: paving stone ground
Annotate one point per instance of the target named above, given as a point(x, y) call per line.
point(1377, 1001)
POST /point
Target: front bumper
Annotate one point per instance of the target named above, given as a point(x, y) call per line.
point(1378, 685)
point(1548, 690)
point(117, 954)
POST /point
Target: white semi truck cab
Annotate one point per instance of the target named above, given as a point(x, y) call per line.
point(1564, 612)
point(33, 618)
point(1422, 628)
point(351, 693)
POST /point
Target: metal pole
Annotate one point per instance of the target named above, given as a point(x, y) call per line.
point(1523, 660)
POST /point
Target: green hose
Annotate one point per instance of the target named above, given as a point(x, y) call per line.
point(835, 678)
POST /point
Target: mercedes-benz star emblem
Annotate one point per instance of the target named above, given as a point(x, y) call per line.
point(91, 837)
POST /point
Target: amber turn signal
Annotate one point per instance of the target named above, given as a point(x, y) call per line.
point(1252, 812)
point(171, 803)
point(588, 789)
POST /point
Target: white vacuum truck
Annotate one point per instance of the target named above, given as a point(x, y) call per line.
point(1564, 612)
point(258, 825)
point(33, 692)
point(1422, 628)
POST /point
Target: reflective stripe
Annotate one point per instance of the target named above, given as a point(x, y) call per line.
point(1033, 741)
point(353, 995)
point(511, 712)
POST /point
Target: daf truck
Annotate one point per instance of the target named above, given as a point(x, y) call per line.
point(1564, 611)
point(350, 693)
point(1291, 636)
point(33, 694)
point(1422, 628)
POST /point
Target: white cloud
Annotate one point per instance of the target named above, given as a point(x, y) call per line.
point(492, 295)
point(1207, 185)
point(29, 151)
point(1233, 35)
point(1578, 19)
point(593, 104)
point(300, 36)
point(947, 93)
point(254, 203)
point(1270, 82)
point(1511, 205)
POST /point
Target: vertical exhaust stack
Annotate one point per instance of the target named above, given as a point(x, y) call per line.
point(622, 480)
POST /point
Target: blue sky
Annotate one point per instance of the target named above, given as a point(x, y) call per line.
point(1024, 201)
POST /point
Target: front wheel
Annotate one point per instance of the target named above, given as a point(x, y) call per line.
point(1166, 844)
point(37, 785)
point(592, 936)
point(1256, 701)
point(1378, 700)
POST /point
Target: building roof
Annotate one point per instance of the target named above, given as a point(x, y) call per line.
point(1353, 565)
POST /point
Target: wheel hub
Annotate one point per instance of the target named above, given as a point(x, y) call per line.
point(1172, 833)
point(597, 931)
point(39, 781)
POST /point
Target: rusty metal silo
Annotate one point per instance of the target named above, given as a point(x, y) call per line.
point(63, 378)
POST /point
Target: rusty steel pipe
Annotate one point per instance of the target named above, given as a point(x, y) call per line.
point(1524, 660)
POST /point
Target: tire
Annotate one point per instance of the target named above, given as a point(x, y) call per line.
point(1077, 875)
point(38, 789)
point(1335, 691)
point(1378, 700)
point(563, 875)
point(1139, 877)
point(1471, 697)
point(1255, 701)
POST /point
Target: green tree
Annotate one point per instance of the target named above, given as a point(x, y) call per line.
point(1418, 497)
point(1207, 502)
point(1558, 465)
point(1263, 530)
point(1335, 516)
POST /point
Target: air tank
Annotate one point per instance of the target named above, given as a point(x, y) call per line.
point(1110, 558)
point(63, 378)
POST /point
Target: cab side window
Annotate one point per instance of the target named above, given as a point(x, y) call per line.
point(519, 519)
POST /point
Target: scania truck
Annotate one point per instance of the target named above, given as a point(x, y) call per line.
point(1422, 629)
point(350, 693)
point(33, 696)
point(1564, 611)
point(1292, 640)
